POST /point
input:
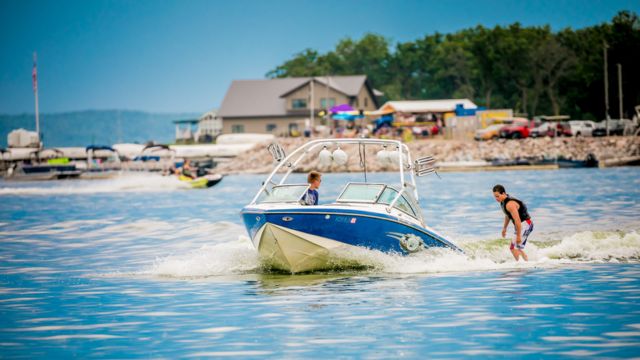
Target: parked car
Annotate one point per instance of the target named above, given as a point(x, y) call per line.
point(581, 127)
point(600, 129)
point(543, 130)
point(564, 129)
point(488, 133)
point(626, 127)
point(616, 127)
point(551, 129)
point(517, 130)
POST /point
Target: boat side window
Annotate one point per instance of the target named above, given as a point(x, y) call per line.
point(284, 193)
point(402, 204)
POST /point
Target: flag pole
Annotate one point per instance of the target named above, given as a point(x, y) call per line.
point(35, 91)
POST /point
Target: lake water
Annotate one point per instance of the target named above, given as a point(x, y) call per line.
point(138, 266)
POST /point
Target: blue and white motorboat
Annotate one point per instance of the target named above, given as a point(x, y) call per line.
point(294, 237)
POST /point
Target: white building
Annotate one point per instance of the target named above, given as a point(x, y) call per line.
point(202, 130)
point(209, 125)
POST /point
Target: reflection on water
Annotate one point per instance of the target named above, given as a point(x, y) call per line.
point(143, 269)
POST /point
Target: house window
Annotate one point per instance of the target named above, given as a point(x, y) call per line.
point(271, 127)
point(331, 103)
point(298, 103)
point(366, 102)
point(237, 129)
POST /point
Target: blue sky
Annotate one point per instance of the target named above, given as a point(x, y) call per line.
point(181, 56)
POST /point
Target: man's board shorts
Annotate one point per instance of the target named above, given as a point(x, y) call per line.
point(527, 228)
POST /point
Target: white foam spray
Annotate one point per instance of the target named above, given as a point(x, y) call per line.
point(238, 256)
point(235, 257)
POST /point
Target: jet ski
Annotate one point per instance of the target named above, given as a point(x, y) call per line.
point(201, 182)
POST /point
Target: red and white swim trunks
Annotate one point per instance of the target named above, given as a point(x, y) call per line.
point(527, 228)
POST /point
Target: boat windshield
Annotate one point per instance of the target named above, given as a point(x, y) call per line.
point(356, 192)
point(402, 204)
point(285, 193)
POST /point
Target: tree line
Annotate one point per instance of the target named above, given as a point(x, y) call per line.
point(533, 70)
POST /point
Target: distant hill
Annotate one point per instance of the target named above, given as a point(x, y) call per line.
point(96, 127)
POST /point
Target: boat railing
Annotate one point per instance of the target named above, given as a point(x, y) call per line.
point(424, 166)
point(277, 152)
point(301, 152)
point(267, 190)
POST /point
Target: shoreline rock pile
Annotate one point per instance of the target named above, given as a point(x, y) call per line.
point(258, 159)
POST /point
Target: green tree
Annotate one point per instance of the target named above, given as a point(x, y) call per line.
point(455, 66)
point(414, 67)
point(531, 69)
point(305, 63)
point(484, 46)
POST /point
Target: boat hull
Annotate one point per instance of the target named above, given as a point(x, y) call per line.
point(44, 172)
point(294, 251)
point(308, 240)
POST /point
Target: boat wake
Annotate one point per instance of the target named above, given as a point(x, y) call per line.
point(234, 257)
point(588, 247)
point(194, 248)
point(120, 183)
point(493, 254)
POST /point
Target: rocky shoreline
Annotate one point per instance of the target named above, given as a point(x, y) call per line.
point(611, 150)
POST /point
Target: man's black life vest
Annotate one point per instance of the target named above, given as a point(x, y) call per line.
point(522, 210)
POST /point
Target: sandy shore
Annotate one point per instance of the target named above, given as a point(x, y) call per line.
point(612, 150)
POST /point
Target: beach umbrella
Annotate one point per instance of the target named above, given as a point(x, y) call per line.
point(346, 116)
point(341, 108)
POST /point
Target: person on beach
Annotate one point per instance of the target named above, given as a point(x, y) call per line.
point(311, 197)
point(514, 211)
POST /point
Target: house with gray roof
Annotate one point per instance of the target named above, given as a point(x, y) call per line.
point(284, 106)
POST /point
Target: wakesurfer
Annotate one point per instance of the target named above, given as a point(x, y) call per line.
point(515, 211)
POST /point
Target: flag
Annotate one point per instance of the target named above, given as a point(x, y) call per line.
point(34, 74)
